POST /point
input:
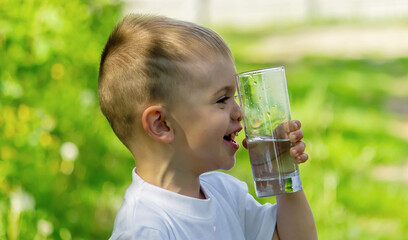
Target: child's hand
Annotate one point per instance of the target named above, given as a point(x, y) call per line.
point(295, 136)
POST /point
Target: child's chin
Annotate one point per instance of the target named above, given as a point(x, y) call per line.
point(229, 165)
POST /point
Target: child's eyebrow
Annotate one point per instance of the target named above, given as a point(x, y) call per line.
point(225, 89)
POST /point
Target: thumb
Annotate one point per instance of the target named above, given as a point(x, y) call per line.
point(244, 143)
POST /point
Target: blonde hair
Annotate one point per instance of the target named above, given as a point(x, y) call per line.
point(144, 60)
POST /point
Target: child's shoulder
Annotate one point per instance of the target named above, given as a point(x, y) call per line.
point(128, 224)
point(222, 182)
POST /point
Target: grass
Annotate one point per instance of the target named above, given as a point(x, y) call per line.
point(354, 116)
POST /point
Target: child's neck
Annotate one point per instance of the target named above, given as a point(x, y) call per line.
point(174, 180)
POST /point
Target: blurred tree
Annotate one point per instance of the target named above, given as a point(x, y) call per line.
point(55, 169)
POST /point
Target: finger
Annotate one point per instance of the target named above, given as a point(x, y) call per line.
point(302, 158)
point(294, 125)
point(296, 136)
point(244, 143)
point(298, 149)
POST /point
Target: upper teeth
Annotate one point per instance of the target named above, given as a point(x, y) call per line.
point(234, 134)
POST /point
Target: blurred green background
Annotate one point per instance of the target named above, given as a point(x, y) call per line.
point(63, 173)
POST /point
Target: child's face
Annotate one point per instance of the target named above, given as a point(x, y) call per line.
point(205, 119)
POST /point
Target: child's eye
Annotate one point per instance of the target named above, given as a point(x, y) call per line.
point(223, 99)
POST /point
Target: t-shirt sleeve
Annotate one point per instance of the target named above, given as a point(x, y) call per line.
point(140, 233)
point(260, 220)
point(257, 221)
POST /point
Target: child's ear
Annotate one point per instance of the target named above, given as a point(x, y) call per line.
point(154, 123)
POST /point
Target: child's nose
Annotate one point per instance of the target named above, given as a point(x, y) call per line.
point(236, 113)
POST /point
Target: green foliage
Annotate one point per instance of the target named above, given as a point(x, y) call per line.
point(355, 117)
point(63, 173)
point(60, 164)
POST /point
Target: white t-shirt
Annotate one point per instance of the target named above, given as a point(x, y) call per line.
point(228, 213)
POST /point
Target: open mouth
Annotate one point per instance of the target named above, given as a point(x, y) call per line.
point(230, 139)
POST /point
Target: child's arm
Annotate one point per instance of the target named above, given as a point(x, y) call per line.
point(294, 216)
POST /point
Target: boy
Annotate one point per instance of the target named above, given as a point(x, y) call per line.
point(167, 89)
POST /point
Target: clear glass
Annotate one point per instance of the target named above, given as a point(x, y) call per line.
point(264, 100)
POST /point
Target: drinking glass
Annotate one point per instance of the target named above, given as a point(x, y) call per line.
point(264, 100)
